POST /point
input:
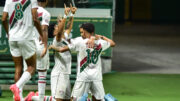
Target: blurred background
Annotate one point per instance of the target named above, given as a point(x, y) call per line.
point(147, 52)
point(146, 32)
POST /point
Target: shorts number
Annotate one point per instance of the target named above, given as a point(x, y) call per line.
point(18, 11)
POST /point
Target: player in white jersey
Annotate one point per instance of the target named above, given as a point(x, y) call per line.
point(89, 75)
point(60, 75)
point(22, 19)
point(42, 53)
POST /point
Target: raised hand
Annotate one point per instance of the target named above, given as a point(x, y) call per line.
point(73, 9)
point(66, 10)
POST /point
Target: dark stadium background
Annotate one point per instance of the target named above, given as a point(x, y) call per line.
point(145, 60)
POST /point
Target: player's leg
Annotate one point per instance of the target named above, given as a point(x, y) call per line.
point(18, 67)
point(41, 84)
point(27, 50)
point(97, 90)
point(54, 80)
point(42, 67)
point(80, 88)
point(17, 58)
point(18, 72)
point(53, 88)
point(29, 72)
point(63, 88)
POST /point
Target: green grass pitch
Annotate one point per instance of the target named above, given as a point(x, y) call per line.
point(135, 87)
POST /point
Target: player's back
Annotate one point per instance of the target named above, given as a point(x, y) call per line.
point(89, 61)
point(20, 19)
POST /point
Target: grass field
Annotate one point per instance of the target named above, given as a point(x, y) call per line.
point(135, 87)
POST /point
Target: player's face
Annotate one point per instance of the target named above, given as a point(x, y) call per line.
point(82, 33)
point(45, 3)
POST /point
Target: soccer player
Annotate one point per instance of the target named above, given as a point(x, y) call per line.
point(41, 50)
point(60, 75)
point(89, 75)
point(22, 19)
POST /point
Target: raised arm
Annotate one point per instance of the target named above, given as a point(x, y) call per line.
point(71, 18)
point(61, 23)
point(112, 43)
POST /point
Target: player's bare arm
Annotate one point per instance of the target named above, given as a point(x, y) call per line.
point(112, 43)
point(5, 23)
point(59, 49)
point(37, 22)
point(45, 34)
point(61, 23)
point(71, 18)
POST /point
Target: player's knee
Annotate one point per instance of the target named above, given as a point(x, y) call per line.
point(31, 70)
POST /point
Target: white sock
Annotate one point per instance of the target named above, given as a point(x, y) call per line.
point(35, 98)
point(21, 94)
point(49, 98)
point(41, 85)
point(46, 98)
point(24, 79)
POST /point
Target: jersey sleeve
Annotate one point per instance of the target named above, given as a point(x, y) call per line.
point(6, 6)
point(46, 19)
point(105, 44)
point(34, 3)
point(74, 45)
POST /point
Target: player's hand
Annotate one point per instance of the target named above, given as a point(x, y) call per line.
point(43, 52)
point(66, 10)
point(97, 36)
point(73, 9)
point(90, 42)
point(51, 47)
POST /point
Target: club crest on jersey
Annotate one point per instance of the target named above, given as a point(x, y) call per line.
point(92, 57)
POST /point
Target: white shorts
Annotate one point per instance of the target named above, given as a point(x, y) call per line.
point(26, 48)
point(60, 86)
point(95, 87)
point(42, 63)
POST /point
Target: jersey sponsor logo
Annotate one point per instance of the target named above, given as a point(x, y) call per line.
point(18, 12)
point(92, 57)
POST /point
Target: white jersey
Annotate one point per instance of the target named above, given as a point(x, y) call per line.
point(20, 19)
point(62, 60)
point(44, 18)
point(89, 61)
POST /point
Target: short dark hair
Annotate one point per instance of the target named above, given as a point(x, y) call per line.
point(89, 27)
point(41, 0)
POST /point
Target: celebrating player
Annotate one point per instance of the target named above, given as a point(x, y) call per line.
point(41, 53)
point(60, 75)
point(89, 75)
point(22, 18)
